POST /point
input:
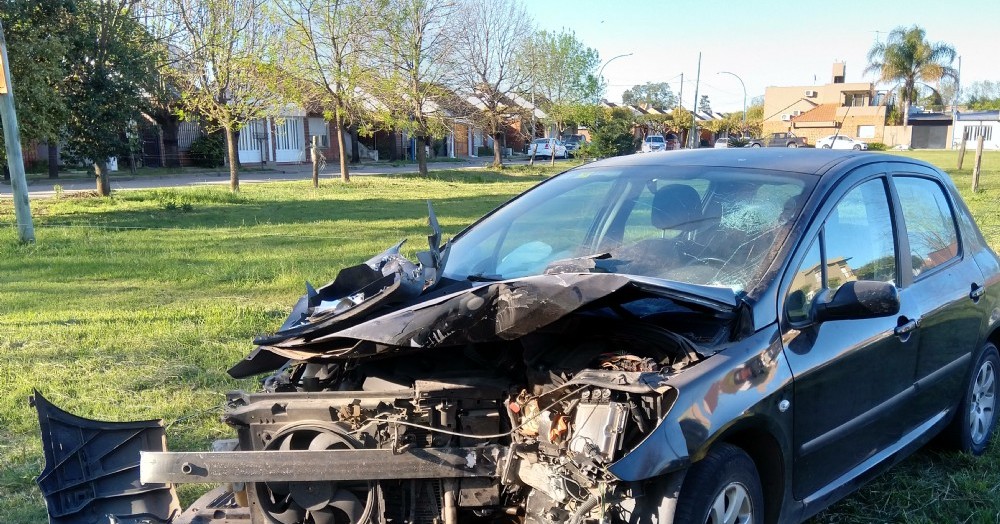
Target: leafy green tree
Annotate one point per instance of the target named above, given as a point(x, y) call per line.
point(658, 95)
point(38, 34)
point(227, 70)
point(564, 72)
point(704, 105)
point(983, 95)
point(611, 134)
point(906, 58)
point(487, 45)
point(416, 69)
point(108, 63)
point(333, 41)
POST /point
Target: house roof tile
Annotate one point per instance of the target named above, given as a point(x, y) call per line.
point(820, 113)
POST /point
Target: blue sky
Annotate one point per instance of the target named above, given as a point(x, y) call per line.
point(764, 42)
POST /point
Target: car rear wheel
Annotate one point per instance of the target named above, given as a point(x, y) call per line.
point(722, 488)
point(826, 146)
point(857, 148)
point(754, 145)
point(975, 420)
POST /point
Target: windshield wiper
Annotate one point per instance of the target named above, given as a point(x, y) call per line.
point(482, 277)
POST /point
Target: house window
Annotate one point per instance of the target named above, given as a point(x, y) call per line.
point(318, 128)
point(866, 131)
point(974, 132)
point(857, 99)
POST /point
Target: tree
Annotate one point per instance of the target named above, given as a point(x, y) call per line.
point(38, 32)
point(704, 106)
point(983, 95)
point(658, 95)
point(906, 57)
point(108, 62)
point(563, 71)
point(487, 45)
point(416, 70)
point(611, 133)
point(335, 41)
point(162, 88)
point(228, 50)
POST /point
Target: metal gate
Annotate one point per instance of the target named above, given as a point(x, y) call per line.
point(929, 137)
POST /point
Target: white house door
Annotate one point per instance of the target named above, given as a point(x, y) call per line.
point(289, 139)
point(253, 145)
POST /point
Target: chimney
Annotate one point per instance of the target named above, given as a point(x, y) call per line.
point(839, 72)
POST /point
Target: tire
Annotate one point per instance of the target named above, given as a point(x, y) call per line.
point(973, 425)
point(826, 147)
point(793, 144)
point(754, 145)
point(726, 482)
point(857, 148)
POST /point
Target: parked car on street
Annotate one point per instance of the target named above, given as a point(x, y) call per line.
point(573, 143)
point(778, 140)
point(700, 337)
point(547, 147)
point(653, 143)
point(840, 142)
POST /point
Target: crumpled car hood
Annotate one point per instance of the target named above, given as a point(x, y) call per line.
point(385, 306)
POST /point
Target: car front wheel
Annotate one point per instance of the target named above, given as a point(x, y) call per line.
point(722, 488)
point(793, 144)
point(826, 146)
point(976, 418)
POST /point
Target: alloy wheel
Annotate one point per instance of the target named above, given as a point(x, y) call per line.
point(983, 401)
point(731, 506)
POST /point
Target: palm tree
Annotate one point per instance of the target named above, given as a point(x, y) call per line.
point(906, 58)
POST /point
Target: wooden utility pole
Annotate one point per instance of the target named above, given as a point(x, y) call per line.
point(961, 153)
point(979, 162)
point(15, 161)
point(315, 160)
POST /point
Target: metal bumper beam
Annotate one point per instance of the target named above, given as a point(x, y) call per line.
point(306, 466)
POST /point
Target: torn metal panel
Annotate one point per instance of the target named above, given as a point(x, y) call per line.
point(91, 470)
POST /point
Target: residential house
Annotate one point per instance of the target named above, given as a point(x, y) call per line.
point(969, 126)
point(850, 108)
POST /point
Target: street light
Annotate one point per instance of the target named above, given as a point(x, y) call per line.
point(744, 95)
point(612, 59)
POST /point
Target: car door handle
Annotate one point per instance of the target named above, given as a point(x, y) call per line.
point(977, 292)
point(903, 330)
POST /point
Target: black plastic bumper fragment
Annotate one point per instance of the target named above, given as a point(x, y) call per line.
point(91, 470)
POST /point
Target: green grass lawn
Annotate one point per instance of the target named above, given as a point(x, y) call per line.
point(133, 307)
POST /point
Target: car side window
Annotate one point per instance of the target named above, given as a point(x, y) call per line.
point(860, 243)
point(930, 224)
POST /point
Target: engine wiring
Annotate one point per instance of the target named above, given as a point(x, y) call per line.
point(482, 437)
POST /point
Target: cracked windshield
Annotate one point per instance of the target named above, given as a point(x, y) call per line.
point(710, 226)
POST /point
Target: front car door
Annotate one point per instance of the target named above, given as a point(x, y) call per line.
point(849, 374)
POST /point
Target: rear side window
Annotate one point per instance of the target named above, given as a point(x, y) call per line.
point(930, 224)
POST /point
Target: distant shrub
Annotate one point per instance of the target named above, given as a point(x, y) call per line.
point(208, 150)
point(877, 146)
point(484, 151)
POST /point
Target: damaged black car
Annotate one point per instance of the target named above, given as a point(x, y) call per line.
point(721, 336)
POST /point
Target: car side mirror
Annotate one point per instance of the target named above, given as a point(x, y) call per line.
point(859, 299)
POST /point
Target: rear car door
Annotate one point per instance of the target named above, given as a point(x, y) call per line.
point(947, 287)
point(849, 374)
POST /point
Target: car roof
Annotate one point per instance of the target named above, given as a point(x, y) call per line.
point(807, 161)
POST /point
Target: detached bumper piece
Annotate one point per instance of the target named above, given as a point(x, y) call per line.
point(91, 470)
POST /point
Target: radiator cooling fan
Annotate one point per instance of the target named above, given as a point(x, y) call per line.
point(315, 502)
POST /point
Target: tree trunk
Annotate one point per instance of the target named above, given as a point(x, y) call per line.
point(421, 155)
point(103, 182)
point(171, 151)
point(53, 160)
point(497, 157)
point(355, 146)
point(234, 159)
point(345, 175)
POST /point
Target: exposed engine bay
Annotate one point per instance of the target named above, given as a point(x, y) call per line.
point(391, 402)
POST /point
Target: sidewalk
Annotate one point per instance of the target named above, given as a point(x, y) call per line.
point(45, 187)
